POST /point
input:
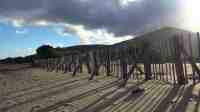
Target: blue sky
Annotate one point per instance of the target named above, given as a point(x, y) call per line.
point(20, 38)
point(16, 41)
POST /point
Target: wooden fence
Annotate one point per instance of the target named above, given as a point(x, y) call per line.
point(174, 60)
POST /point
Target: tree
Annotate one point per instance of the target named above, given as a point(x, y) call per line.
point(46, 51)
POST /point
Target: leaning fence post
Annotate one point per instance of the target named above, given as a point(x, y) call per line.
point(191, 55)
point(198, 37)
point(179, 63)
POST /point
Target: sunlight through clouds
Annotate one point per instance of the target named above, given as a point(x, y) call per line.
point(192, 14)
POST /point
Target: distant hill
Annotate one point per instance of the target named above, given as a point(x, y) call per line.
point(19, 60)
point(79, 48)
point(163, 34)
point(157, 35)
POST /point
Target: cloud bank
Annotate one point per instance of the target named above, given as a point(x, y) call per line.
point(104, 18)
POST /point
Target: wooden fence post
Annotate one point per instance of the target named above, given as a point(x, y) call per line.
point(179, 64)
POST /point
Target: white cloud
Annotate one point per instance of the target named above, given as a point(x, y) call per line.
point(60, 31)
point(18, 22)
point(54, 45)
point(21, 22)
point(125, 3)
point(96, 36)
point(25, 52)
point(21, 31)
point(41, 23)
